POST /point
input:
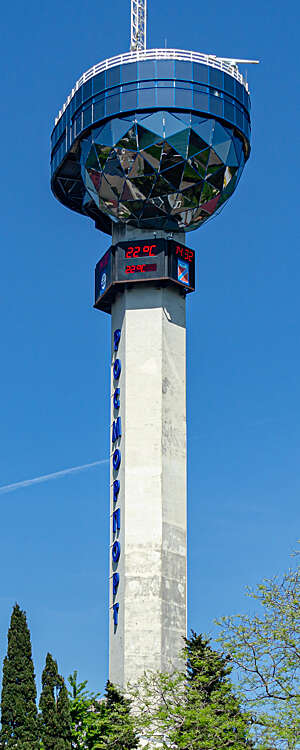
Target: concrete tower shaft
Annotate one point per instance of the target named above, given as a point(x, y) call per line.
point(150, 506)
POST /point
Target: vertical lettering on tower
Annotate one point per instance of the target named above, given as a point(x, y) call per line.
point(116, 437)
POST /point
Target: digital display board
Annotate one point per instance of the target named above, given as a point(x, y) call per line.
point(160, 260)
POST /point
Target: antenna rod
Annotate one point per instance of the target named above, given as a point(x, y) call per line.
point(138, 24)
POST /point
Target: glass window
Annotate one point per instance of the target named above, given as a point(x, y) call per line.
point(87, 89)
point(246, 100)
point(129, 72)
point(78, 98)
point(183, 97)
point(216, 78)
point(72, 106)
point(164, 84)
point(183, 85)
point(239, 118)
point(228, 84)
point(129, 99)
point(147, 98)
point(165, 69)
point(184, 70)
point(147, 84)
point(99, 83)
point(165, 97)
point(216, 105)
point(99, 109)
point(77, 125)
point(200, 73)
point(113, 104)
point(113, 76)
point(146, 69)
point(239, 91)
point(228, 111)
point(201, 101)
point(87, 117)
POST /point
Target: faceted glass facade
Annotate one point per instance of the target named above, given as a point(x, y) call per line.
point(167, 170)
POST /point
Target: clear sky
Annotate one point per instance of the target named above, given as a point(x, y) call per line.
point(243, 358)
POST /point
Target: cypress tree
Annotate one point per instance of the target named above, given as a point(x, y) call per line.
point(18, 701)
point(55, 720)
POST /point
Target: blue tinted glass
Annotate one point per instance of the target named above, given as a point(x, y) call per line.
point(87, 117)
point(183, 85)
point(164, 84)
point(216, 78)
point(184, 70)
point(216, 105)
point(146, 84)
point(239, 91)
point(165, 68)
point(72, 106)
point(129, 72)
point(55, 136)
point(200, 73)
point(147, 69)
point(228, 83)
point(113, 104)
point(246, 100)
point(99, 83)
point(129, 99)
point(113, 76)
point(228, 111)
point(183, 97)
point(200, 101)
point(77, 126)
point(78, 97)
point(147, 98)
point(130, 86)
point(87, 90)
point(98, 109)
point(239, 118)
point(165, 97)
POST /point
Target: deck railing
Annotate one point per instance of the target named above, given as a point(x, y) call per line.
point(154, 54)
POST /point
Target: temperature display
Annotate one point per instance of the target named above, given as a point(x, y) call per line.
point(139, 251)
point(143, 268)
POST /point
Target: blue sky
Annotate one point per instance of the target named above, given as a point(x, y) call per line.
point(243, 335)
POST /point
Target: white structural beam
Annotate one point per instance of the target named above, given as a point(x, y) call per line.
point(148, 513)
point(138, 25)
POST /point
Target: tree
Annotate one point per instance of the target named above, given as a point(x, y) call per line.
point(55, 719)
point(193, 710)
point(265, 650)
point(18, 701)
point(104, 724)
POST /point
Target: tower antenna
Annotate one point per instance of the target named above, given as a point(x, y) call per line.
point(138, 24)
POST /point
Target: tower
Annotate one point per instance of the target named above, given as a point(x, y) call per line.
point(150, 144)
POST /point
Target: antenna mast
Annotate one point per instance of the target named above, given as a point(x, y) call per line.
point(138, 24)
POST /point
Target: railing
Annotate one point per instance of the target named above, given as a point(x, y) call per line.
point(154, 54)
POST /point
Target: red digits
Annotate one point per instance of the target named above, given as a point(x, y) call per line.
point(136, 251)
point(129, 252)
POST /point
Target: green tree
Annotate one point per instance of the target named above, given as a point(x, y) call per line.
point(265, 650)
point(18, 701)
point(55, 719)
point(105, 724)
point(193, 709)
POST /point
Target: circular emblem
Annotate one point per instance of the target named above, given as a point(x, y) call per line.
point(103, 281)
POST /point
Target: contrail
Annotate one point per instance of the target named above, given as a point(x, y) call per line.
point(46, 477)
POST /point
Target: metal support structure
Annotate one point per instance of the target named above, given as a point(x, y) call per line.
point(138, 25)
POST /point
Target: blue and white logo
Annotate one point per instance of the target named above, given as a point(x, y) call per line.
point(103, 281)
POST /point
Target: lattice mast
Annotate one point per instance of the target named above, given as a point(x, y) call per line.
point(138, 24)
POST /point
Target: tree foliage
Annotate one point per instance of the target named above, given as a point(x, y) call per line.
point(105, 724)
point(55, 719)
point(196, 710)
point(265, 650)
point(18, 701)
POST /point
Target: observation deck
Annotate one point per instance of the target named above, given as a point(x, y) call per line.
point(138, 82)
